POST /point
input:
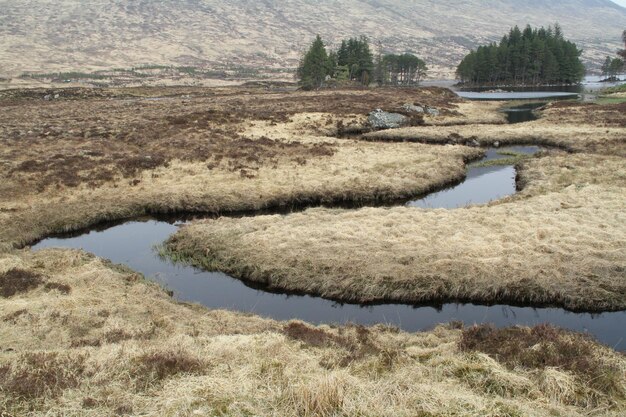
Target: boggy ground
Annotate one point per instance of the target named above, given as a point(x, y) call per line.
point(82, 337)
point(573, 126)
point(94, 155)
point(79, 336)
point(560, 241)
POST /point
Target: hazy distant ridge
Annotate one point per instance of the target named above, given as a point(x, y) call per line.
point(46, 35)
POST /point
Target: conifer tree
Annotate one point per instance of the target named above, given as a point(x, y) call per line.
point(355, 55)
point(314, 66)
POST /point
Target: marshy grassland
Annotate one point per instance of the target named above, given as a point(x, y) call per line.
point(80, 336)
point(71, 163)
point(558, 242)
point(576, 127)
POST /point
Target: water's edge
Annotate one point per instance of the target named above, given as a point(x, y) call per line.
point(132, 243)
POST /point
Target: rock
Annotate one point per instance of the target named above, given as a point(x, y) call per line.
point(379, 119)
point(432, 111)
point(474, 143)
point(47, 97)
point(412, 108)
point(56, 96)
point(496, 144)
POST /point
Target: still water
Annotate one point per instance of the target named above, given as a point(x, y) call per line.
point(132, 244)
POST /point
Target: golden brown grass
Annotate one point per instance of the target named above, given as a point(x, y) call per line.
point(82, 337)
point(152, 356)
point(95, 155)
point(573, 126)
point(560, 241)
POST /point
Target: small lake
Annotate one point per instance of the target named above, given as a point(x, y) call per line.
point(512, 95)
point(132, 244)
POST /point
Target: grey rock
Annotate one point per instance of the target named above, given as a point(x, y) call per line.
point(412, 108)
point(56, 96)
point(432, 111)
point(474, 143)
point(47, 97)
point(496, 144)
point(379, 119)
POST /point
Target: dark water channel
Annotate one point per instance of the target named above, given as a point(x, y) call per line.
point(132, 244)
point(517, 95)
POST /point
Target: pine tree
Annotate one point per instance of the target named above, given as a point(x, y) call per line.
point(606, 67)
point(355, 54)
point(314, 66)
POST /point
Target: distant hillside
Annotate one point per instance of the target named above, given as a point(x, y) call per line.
point(87, 35)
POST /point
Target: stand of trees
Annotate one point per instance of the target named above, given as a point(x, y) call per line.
point(401, 70)
point(353, 61)
point(354, 57)
point(531, 56)
point(612, 67)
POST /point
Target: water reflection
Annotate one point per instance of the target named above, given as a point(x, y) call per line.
point(482, 184)
point(132, 244)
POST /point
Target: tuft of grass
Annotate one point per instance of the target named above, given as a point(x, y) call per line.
point(41, 374)
point(17, 281)
point(154, 367)
point(545, 346)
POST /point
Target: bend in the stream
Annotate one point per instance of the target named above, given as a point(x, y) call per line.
point(132, 243)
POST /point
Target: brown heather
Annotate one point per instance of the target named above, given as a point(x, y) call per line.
point(95, 339)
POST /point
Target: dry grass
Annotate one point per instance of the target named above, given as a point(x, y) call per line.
point(182, 360)
point(560, 242)
point(576, 127)
point(358, 172)
point(82, 337)
point(95, 155)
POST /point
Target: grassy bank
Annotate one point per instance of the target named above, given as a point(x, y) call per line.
point(576, 127)
point(354, 172)
point(81, 337)
point(96, 155)
point(559, 242)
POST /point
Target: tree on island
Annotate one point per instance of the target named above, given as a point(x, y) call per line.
point(612, 67)
point(531, 56)
point(314, 66)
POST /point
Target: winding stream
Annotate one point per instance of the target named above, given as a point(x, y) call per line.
point(132, 244)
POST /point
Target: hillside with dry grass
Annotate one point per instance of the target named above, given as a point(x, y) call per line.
point(52, 36)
